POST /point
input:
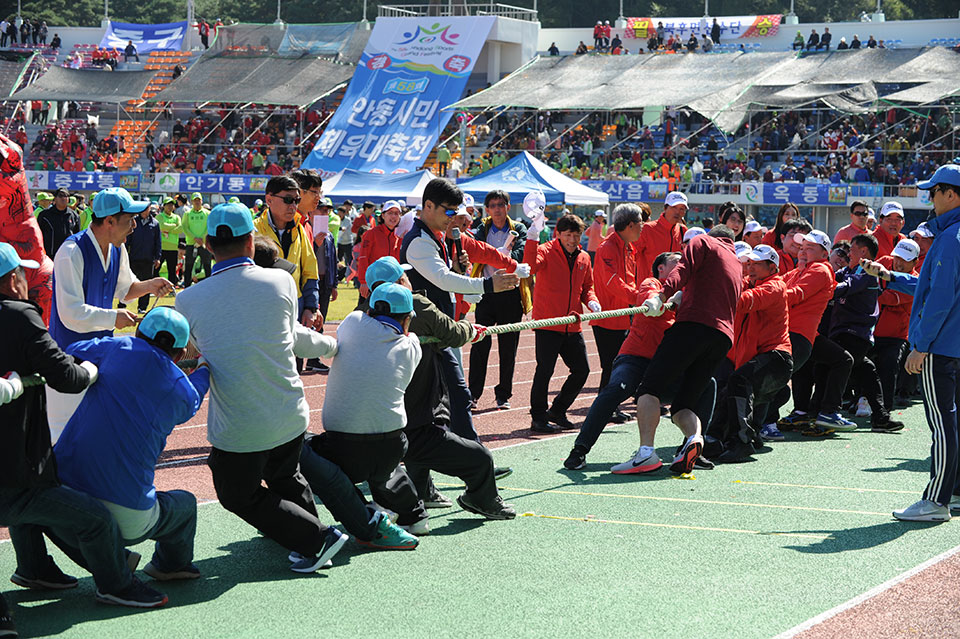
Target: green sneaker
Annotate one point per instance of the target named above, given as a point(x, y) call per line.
point(389, 536)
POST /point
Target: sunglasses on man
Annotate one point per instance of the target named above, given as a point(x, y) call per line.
point(289, 199)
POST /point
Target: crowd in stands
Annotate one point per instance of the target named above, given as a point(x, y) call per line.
point(74, 145)
point(15, 30)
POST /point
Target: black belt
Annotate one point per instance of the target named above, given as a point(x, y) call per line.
point(365, 437)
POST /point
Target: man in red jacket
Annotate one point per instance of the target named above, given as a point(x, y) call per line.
point(663, 235)
point(564, 285)
point(709, 277)
point(857, 225)
point(762, 359)
point(615, 277)
point(379, 242)
point(888, 230)
point(364, 219)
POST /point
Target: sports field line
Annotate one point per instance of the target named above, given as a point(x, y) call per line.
point(677, 526)
point(870, 594)
point(856, 490)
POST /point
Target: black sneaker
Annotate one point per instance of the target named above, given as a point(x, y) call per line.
point(52, 579)
point(316, 366)
point(542, 426)
point(496, 510)
point(703, 463)
point(8, 629)
point(190, 571)
point(136, 595)
point(889, 426)
point(577, 459)
point(503, 405)
point(619, 417)
point(499, 472)
point(561, 421)
point(438, 500)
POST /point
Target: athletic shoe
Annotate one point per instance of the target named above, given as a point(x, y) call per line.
point(955, 504)
point(863, 408)
point(316, 366)
point(836, 422)
point(542, 426)
point(561, 421)
point(889, 426)
point(136, 595)
point(577, 459)
point(618, 417)
point(189, 572)
point(638, 464)
point(684, 462)
point(8, 629)
point(55, 579)
point(333, 541)
point(390, 537)
point(923, 510)
point(386, 512)
point(703, 463)
point(504, 405)
point(473, 406)
point(816, 430)
point(420, 527)
point(295, 557)
point(794, 421)
point(770, 433)
point(500, 472)
point(437, 500)
point(497, 510)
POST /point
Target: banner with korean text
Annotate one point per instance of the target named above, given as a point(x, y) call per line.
point(82, 180)
point(391, 115)
point(731, 27)
point(145, 37)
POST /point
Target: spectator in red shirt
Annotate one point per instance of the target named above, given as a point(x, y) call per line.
point(664, 235)
point(791, 245)
point(365, 218)
point(858, 222)
point(381, 241)
point(788, 211)
point(753, 234)
point(888, 230)
point(923, 236)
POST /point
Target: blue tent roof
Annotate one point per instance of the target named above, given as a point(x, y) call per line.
point(524, 173)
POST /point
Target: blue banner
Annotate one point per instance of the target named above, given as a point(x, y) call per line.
point(145, 37)
point(391, 115)
point(804, 194)
point(82, 180)
point(207, 183)
point(629, 190)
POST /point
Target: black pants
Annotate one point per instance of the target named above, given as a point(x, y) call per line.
point(864, 374)
point(609, 342)
point(170, 258)
point(572, 350)
point(283, 510)
point(435, 448)
point(344, 253)
point(888, 353)
point(192, 253)
point(143, 269)
point(829, 366)
point(801, 349)
point(496, 308)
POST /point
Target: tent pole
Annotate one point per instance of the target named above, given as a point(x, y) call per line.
point(749, 131)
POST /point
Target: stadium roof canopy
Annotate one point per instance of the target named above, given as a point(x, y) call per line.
point(724, 87)
point(12, 69)
point(87, 85)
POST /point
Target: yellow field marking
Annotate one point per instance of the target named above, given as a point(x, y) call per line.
point(856, 490)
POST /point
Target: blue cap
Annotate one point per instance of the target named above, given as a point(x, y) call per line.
point(386, 269)
point(164, 318)
point(398, 298)
point(946, 174)
point(10, 259)
point(235, 217)
point(117, 200)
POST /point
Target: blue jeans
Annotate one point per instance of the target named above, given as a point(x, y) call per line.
point(77, 523)
point(338, 494)
point(174, 532)
point(628, 372)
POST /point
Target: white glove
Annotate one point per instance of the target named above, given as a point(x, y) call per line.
point(675, 299)
point(533, 233)
point(473, 299)
point(593, 306)
point(10, 387)
point(523, 270)
point(653, 307)
point(91, 369)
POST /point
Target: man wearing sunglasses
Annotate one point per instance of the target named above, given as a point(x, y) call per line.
point(282, 223)
point(858, 222)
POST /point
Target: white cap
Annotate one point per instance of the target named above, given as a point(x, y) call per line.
point(907, 250)
point(818, 237)
point(692, 232)
point(599, 213)
point(752, 227)
point(764, 253)
point(922, 230)
point(743, 250)
point(391, 204)
point(871, 215)
point(468, 201)
point(891, 207)
point(462, 210)
point(675, 197)
point(534, 203)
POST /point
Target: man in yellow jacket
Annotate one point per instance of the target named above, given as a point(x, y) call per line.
point(284, 225)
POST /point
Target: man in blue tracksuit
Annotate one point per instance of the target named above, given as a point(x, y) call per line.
point(934, 337)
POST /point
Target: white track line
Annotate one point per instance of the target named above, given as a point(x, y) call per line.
point(870, 594)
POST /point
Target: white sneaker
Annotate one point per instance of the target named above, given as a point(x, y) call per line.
point(923, 510)
point(419, 528)
point(640, 463)
point(863, 408)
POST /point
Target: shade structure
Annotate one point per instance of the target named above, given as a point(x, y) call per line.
point(86, 85)
point(378, 187)
point(524, 173)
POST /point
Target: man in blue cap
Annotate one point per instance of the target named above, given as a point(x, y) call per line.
point(109, 448)
point(245, 321)
point(934, 336)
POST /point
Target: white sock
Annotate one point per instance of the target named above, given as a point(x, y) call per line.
point(645, 451)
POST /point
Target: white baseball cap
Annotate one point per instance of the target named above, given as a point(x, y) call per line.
point(764, 253)
point(692, 232)
point(907, 250)
point(817, 237)
point(675, 197)
point(599, 213)
point(534, 203)
point(468, 201)
point(391, 204)
point(752, 227)
point(871, 215)
point(922, 230)
point(891, 207)
point(743, 250)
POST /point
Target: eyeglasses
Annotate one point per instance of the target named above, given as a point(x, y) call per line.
point(860, 213)
point(289, 199)
point(317, 192)
point(935, 190)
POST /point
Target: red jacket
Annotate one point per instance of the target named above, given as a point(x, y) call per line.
point(377, 242)
point(786, 262)
point(895, 309)
point(711, 277)
point(359, 221)
point(482, 253)
point(848, 233)
point(615, 280)
point(559, 290)
point(809, 290)
point(646, 333)
point(886, 242)
point(657, 237)
point(762, 324)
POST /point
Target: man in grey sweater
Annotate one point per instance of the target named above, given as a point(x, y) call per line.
point(244, 321)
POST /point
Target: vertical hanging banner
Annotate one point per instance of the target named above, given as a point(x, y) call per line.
point(145, 37)
point(391, 115)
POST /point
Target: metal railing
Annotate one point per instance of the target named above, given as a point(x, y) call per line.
point(450, 8)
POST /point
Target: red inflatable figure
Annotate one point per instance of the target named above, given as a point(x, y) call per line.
point(19, 228)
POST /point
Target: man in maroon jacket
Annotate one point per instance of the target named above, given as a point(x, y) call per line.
point(705, 287)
